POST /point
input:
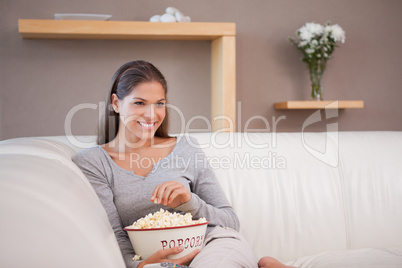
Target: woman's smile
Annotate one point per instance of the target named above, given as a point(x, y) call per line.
point(148, 125)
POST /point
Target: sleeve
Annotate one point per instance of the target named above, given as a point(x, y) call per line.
point(208, 199)
point(94, 170)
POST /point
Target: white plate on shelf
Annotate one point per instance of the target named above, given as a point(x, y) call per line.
point(74, 16)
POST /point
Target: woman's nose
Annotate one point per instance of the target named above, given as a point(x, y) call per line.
point(150, 111)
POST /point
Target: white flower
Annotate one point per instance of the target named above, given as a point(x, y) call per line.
point(310, 30)
point(317, 42)
point(303, 43)
point(305, 34)
point(314, 42)
point(310, 51)
point(336, 32)
point(315, 28)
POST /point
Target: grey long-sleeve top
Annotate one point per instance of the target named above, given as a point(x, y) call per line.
point(126, 196)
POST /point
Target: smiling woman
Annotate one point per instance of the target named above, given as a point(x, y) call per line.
point(134, 130)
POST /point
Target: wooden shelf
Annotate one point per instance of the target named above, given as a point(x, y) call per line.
point(335, 104)
point(123, 30)
point(223, 50)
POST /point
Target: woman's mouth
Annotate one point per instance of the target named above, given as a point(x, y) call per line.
point(147, 125)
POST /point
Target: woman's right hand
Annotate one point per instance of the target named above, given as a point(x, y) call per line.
point(161, 256)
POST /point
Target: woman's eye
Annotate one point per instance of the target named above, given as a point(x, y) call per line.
point(138, 103)
point(160, 104)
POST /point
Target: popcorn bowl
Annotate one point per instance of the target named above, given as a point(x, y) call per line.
point(146, 242)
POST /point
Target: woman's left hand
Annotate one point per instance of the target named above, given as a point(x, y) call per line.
point(171, 194)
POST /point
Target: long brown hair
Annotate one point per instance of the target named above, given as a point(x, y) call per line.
point(125, 79)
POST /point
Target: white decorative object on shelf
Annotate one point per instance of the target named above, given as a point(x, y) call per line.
point(155, 18)
point(76, 16)
point(167, 18)
point(172, 14)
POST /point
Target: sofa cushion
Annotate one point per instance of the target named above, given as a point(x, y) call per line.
point(372, 178)
point(289, 202)
point(51, 218)
point(37, 146)
point(356, 258)
point(54, 148)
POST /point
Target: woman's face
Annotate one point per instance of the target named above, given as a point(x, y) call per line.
point(142, 111)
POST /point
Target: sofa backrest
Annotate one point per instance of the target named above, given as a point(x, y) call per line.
point(50, 215)
point(296, 194)
point(288, 201)
point(305, 193)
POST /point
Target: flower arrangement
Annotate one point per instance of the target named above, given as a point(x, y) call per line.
point(317, 43)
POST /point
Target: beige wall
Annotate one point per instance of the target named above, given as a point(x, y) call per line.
point(42, 80)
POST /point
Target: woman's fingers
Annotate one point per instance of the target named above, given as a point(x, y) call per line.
point(187, 258)
point(170, 193)
point(162, 256)
point(179, 193)
point(170, 251)
point(160, 191)
point(154, 197)
point(157, 194)
point(169, 190)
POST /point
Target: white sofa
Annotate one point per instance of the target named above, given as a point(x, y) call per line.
point(308, 199)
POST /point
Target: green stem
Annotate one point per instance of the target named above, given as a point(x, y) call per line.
point(316, 71)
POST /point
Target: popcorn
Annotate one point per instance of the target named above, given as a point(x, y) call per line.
point(137, 258)
point(163, 219)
